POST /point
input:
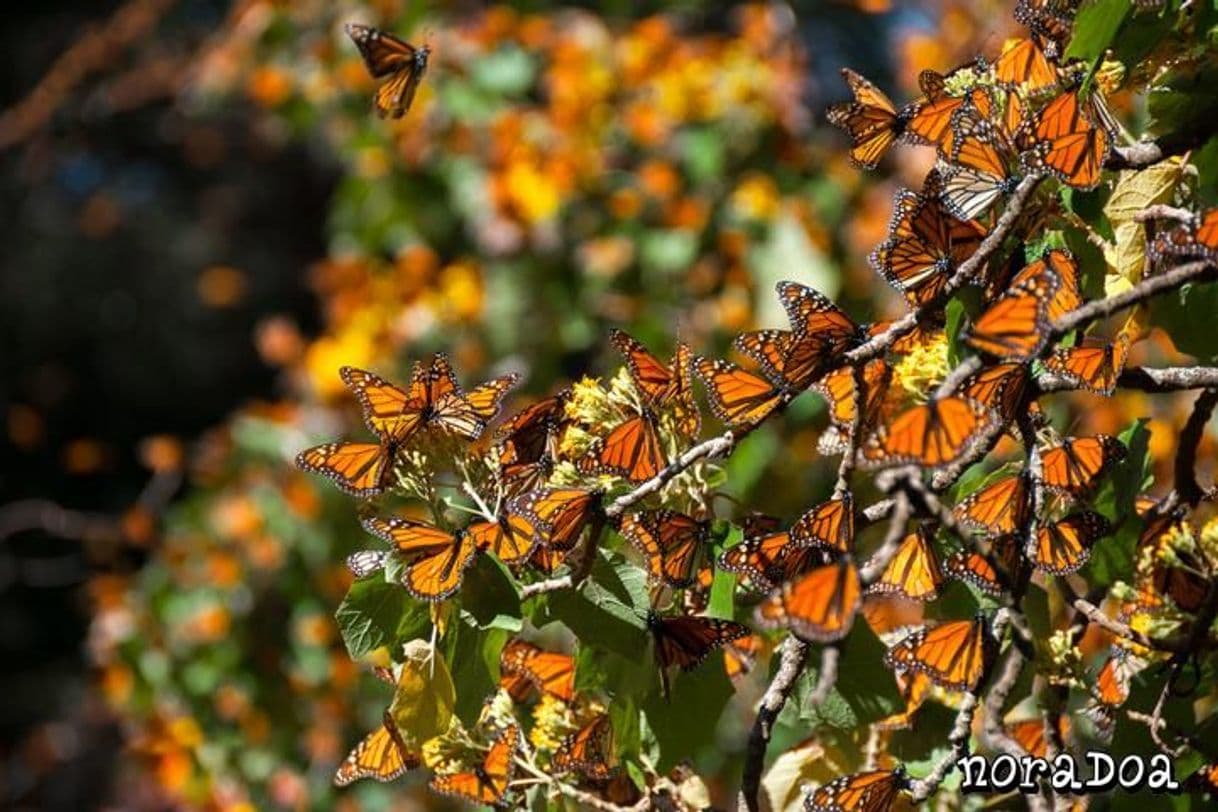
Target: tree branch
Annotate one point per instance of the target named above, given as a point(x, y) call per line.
point(794, 655)
point(1190, 439)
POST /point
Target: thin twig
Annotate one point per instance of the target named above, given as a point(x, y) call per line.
point(793, 654)
point(1144, 379)
point(1146, 289)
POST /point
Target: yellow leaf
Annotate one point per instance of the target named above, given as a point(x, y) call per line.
point(424, 696)
point(1126, 256)
point(782, 786)
point(1137, 189)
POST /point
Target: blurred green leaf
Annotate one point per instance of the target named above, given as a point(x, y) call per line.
point(1095, 27)
point(1177, 310)
point(687, 723)
point(955, 322)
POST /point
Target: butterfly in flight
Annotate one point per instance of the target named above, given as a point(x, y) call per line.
point(433, 400)
point(488, 782)
point(381, 755)
point(685, 641)
point(953, 654)
point(524, 667)
point(388, 56)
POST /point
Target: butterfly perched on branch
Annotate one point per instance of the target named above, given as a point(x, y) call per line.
point(381, 755)
point(388, 56)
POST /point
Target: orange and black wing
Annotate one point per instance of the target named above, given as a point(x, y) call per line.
point(381, 755)
point(874, 791)
point(1096, 369)
point(388, 410)
point(686, 641)
point(829, 525)
point(999, 509)
point(1069, 143)
point(768, 559)
point(512, 538)
point(558, 515)
point(360, 469)
point(1015, 327)
point(913, 572)
point(1065, 545)
point(388, 56)
point(974, 568)
point(588, 750)
point(1076, 466)
point(953, 654)
point(1024, 64)
point(633, 450)
point(488, 783)
point(737, 397)
point(671, 542)
point(819, 607)
point(1000, 388)
point(871, 121)
point(933, 434)
point(523, 665)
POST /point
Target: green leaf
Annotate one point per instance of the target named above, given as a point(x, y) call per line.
point(686, 724)
point(608, 610)
point(1095, 27)
point(722, 601)
point(702, 150)
point(1178, 312)
point(1112, 558)
point(473, 658)
point(376, 613)
point(490, 595)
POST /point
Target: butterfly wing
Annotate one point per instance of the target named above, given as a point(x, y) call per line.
point(737, 397)
point(548, 672)
point(686, 640)
point(671, 543)
point(1065, 545)
point(360, 469)
point(488, 783)
point(871, 121)
point(913, 572)
point(819, 607)
point(558, 515)
point(1077, 465)
point(874, 791)
point(953, 654)
point(589, 750)
point(933, 434)
point(997, 509)
point(829, 525)
point(632, 450)
point(388, 410)
point(511, 539)
point(381, 755)
point(1015, 327)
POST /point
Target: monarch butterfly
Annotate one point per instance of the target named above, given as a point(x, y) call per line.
point(739, 656)
point(696, 598)
point(381, 755)
point(588, 750)
point(1030, 734)
point(1069, 142)
point(1196, 239)
point(524, 666)
point(915, 687)
point(1065, 545)
point(433, 400)
point(953, 654)
point(686, 641)
point(1050, 19)
point(435, 559)
point(819, 607)
point(1112, 682)
point(488, 782)
point(1023, 63)
point(662, 385)
point(932, 123)
point(794, 360)
point(1061, 263)
point(526, 451)
point(999, 509)
point(933, 434)
point(829, 525)
point(767, 560)
point(737, 397)
point(871, 121)
point(1001, 388)
point(913, 572)
point(558, 515)
point(547, 560)
point(670, 541)
point(972, 567)
point(511, 538)
point(925, 243)
point(1075, 466)
point(1186, 585)
point(838, 389)
point(1096, 369)
point(386, 55)
point(874, 791)
point(1014, 327)
point(984, 167)
point(632, 450)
